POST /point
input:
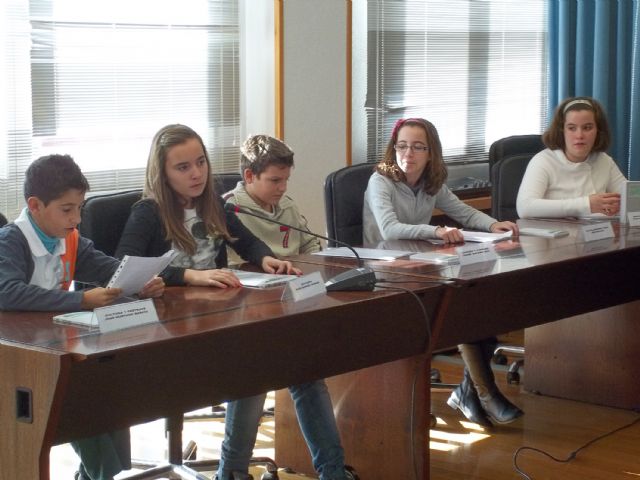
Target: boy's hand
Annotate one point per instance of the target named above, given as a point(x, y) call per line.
point(99, 297)
point(273, 265)
point(153, 289)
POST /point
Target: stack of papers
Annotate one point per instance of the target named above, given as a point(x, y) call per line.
point(84, 318)
point(543, 232)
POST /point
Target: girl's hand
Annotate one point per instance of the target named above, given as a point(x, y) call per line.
point(99, 297)
point(153, 289)
point(607, 203)
point(505, 227)
point(219, 277)
point(273, 265)
point(449, 235)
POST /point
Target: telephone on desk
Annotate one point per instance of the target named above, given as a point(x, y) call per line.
point(465, 187)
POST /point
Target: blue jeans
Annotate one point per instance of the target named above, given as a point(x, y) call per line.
point(104, 456)
point(318, 425)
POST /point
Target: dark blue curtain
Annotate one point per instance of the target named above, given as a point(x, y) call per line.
point(593, 51)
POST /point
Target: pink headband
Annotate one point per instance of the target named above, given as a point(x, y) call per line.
point(399, 124)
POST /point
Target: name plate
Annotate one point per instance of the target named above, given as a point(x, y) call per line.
point(633, 219)
point(304, 287)
point(125, 315)
point(484, 252)
point(596, 231)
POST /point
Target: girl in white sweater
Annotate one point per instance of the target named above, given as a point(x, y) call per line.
point(574, 176)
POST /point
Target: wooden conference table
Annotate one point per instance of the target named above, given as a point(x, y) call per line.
point(58, 383)
point(534, 281)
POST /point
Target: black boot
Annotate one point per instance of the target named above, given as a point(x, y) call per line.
point(477, 357)
point(465, 398)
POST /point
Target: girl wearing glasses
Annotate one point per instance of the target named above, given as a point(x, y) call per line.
point(409, 182)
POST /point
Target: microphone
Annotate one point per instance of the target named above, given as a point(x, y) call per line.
point(357, 279)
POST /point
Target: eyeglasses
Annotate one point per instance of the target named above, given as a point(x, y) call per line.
point(403, 147)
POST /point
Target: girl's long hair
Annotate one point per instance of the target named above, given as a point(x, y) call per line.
point(207, 205)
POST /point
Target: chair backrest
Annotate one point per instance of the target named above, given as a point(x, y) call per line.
point(343, 200)
point(104, 217)
point(224, 182)
point(508, 160)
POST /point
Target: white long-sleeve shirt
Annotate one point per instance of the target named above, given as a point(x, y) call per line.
point(553, 186)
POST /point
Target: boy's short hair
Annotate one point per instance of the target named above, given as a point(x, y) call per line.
point(258, 152)
point(49, 177)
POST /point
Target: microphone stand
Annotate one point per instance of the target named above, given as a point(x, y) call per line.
point(357, 279)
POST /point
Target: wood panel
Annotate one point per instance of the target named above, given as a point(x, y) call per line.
point(592, 357)
point(37, 371)
point(372, 408)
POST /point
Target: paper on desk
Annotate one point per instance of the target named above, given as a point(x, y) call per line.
point(435, 257)
point(478, 237)
point(365, 253)
point(262, 280)
point(84, 318)
point(482, 237)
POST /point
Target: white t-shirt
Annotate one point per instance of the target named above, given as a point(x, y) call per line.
point(207, 247)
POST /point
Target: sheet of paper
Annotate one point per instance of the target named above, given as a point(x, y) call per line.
point(84, 318)
point(134, 272)
point(482, 237)
point(435, 257)
point(262, 280)
point(365, 253)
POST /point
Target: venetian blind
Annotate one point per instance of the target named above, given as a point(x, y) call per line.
point(475, 68)
point(97, 79)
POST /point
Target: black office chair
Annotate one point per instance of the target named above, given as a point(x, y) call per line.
point(343, 201)
point(224, 182)
point(508, 160)
point(104, 217)
point(103, 220)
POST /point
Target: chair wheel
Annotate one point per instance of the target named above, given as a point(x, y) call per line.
point(500, 359)
point(269, 476)
point(433, 421)
point(513, 378)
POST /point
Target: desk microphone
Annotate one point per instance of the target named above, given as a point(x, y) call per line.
point(361, 278)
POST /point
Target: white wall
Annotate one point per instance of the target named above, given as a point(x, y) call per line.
point(314, 98)
point(257, 69)
point(314, 92)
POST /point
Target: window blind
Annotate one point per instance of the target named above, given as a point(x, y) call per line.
point(97, 79)
point(475, 68)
